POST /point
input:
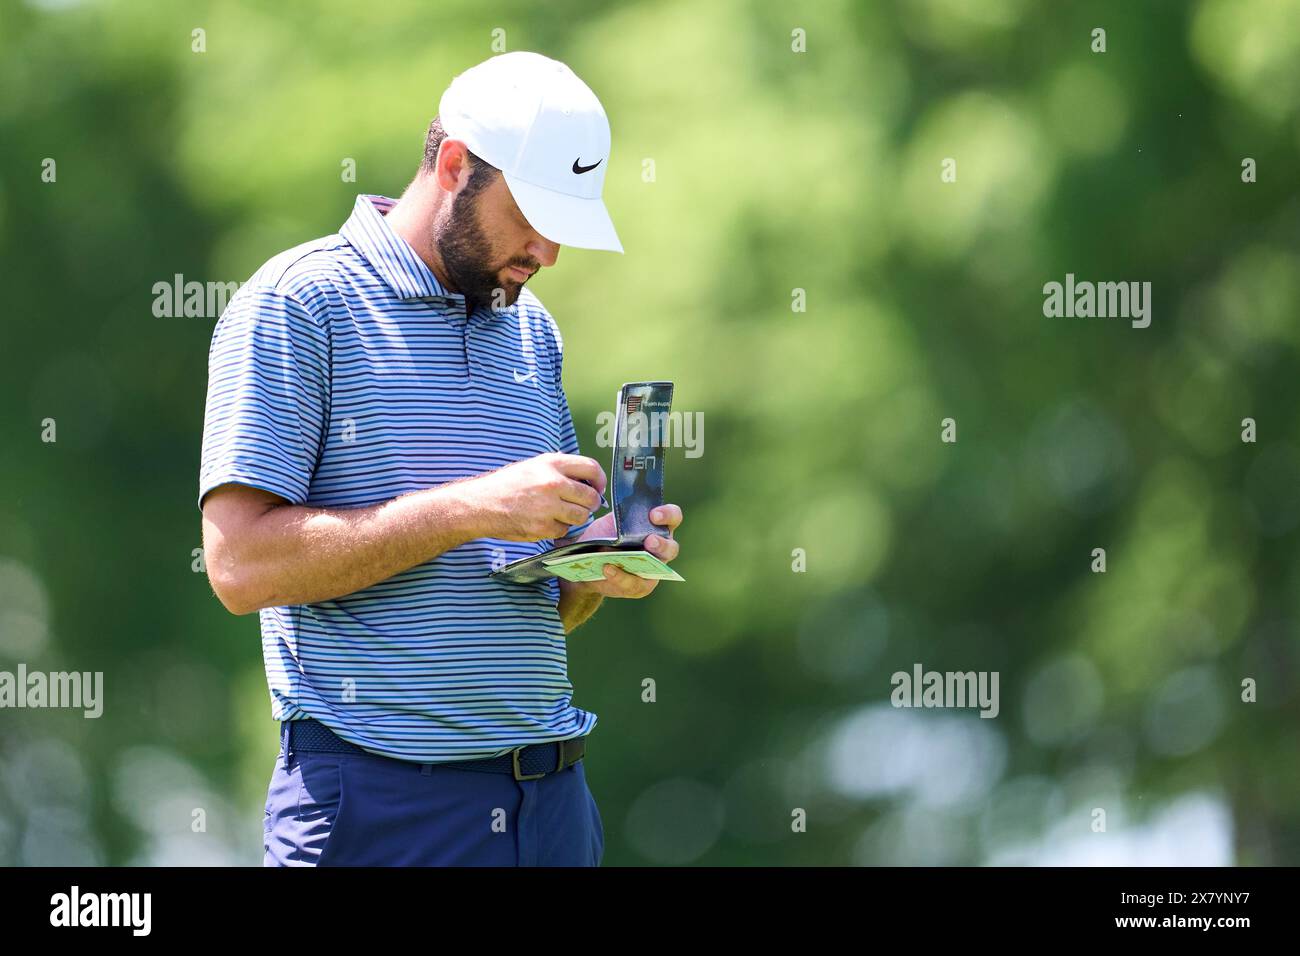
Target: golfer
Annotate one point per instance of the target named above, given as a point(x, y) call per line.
point(385, 426)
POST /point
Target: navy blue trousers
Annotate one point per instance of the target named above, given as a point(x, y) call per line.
point(328, 809)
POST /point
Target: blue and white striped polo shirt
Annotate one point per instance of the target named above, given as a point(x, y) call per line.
point(342, 374)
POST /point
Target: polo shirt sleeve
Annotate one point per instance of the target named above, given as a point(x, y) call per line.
point(267, 411)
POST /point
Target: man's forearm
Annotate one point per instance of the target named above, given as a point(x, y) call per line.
point(576, 604)
point(299, 555)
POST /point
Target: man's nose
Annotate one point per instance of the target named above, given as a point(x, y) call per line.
point(544, 251)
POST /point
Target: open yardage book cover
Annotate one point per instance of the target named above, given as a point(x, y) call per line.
point(636, 486)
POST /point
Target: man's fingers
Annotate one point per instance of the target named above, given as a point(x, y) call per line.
point(571, 514)
point(583, 469)
point(620, 583)
point(670, 516)
point(580, 494)
point(665, 549)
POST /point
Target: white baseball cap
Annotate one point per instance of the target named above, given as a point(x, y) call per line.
point(532, 118)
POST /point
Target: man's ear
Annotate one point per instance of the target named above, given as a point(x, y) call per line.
point(452, 169)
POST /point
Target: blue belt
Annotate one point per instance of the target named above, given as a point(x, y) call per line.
point(525, 763)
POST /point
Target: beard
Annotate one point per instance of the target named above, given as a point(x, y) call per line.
point(466, 255)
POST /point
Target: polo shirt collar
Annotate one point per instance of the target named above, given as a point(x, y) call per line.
point(391, 255)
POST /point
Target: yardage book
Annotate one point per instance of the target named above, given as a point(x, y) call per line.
point(636, 486)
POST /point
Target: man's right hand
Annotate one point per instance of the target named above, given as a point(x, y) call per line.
point(538, 498)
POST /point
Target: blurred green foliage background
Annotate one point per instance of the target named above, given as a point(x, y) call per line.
point(774, 170)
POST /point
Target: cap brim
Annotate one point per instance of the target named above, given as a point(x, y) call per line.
point(564, 219)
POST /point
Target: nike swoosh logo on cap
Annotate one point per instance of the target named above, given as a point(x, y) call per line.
point(585, 169)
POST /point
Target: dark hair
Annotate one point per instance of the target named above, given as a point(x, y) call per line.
point(480, 170)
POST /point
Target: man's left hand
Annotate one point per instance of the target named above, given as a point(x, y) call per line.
point(623, 584)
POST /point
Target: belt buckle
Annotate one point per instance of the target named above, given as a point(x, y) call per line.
point(514, 764)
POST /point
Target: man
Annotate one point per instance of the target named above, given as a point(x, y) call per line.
point(385, 425)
